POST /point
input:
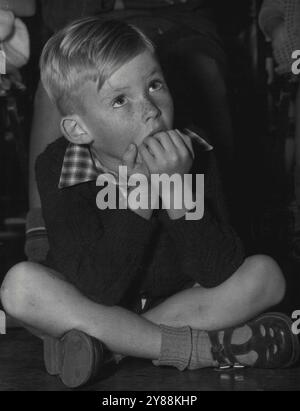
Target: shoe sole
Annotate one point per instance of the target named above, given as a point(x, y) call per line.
point(53, 355)
point(295, 341)
point(72, 358)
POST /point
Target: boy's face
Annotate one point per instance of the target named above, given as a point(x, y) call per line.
point(133, 103)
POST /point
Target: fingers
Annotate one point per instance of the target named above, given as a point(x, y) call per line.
point(166, 145)
point(129, 157)
point(147, 156)
point(176, 140)
point(154, 147)
point(165, 141)
point(187, 141)
point(182, 142)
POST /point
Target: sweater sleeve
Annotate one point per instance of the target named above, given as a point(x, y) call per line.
point(271, 13)
point(209, 249)
point(100, 252)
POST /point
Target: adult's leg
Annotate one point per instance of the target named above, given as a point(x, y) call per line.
point(45, 129)
point(210, 85)
point(200, 77)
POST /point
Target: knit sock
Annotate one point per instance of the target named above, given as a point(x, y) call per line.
point(176, 347)
point(188, 348)
point(201, 356)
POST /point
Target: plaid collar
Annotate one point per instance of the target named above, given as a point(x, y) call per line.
point(81, 165)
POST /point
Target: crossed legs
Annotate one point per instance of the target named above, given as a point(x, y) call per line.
point(36, 297)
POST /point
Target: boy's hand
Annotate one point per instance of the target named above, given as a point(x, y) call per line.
point(169, 152)
point(130, 161)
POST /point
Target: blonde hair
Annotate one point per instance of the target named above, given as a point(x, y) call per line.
point(87, 50)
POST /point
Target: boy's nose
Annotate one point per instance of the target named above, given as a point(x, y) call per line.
point(150, 110)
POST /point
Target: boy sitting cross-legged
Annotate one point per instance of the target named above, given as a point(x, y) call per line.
point(198, 289)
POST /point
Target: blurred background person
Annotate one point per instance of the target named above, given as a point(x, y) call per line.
point(280, 22)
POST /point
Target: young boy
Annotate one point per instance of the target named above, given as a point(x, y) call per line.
point(190, 276)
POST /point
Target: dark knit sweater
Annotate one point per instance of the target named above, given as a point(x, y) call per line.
point(112, 256)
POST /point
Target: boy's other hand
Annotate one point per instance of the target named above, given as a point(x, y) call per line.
point(168, 152)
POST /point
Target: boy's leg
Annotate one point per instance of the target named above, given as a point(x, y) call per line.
point(34, 295)
point(256, 286)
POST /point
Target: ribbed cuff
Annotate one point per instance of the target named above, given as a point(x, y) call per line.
point(176, 347)
point(36, 246)
point(34, 220)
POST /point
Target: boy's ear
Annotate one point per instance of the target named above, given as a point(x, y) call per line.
point(74, 130)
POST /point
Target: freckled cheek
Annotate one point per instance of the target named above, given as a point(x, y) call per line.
point(129, 121)
point(128, 130)
point(167, 109)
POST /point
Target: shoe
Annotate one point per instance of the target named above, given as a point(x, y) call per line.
point(272, 339)
point(76, 358)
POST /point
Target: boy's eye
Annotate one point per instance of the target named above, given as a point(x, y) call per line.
point(156, 85)
point(119, 101)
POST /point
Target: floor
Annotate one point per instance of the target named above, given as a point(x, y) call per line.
point(22, 370)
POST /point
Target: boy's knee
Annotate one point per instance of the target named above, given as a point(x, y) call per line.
point(15, 289)
point(267, 281)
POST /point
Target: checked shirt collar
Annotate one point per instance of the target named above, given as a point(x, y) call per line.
point(81, 165)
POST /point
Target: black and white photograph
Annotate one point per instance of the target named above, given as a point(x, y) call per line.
point(149, 198)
